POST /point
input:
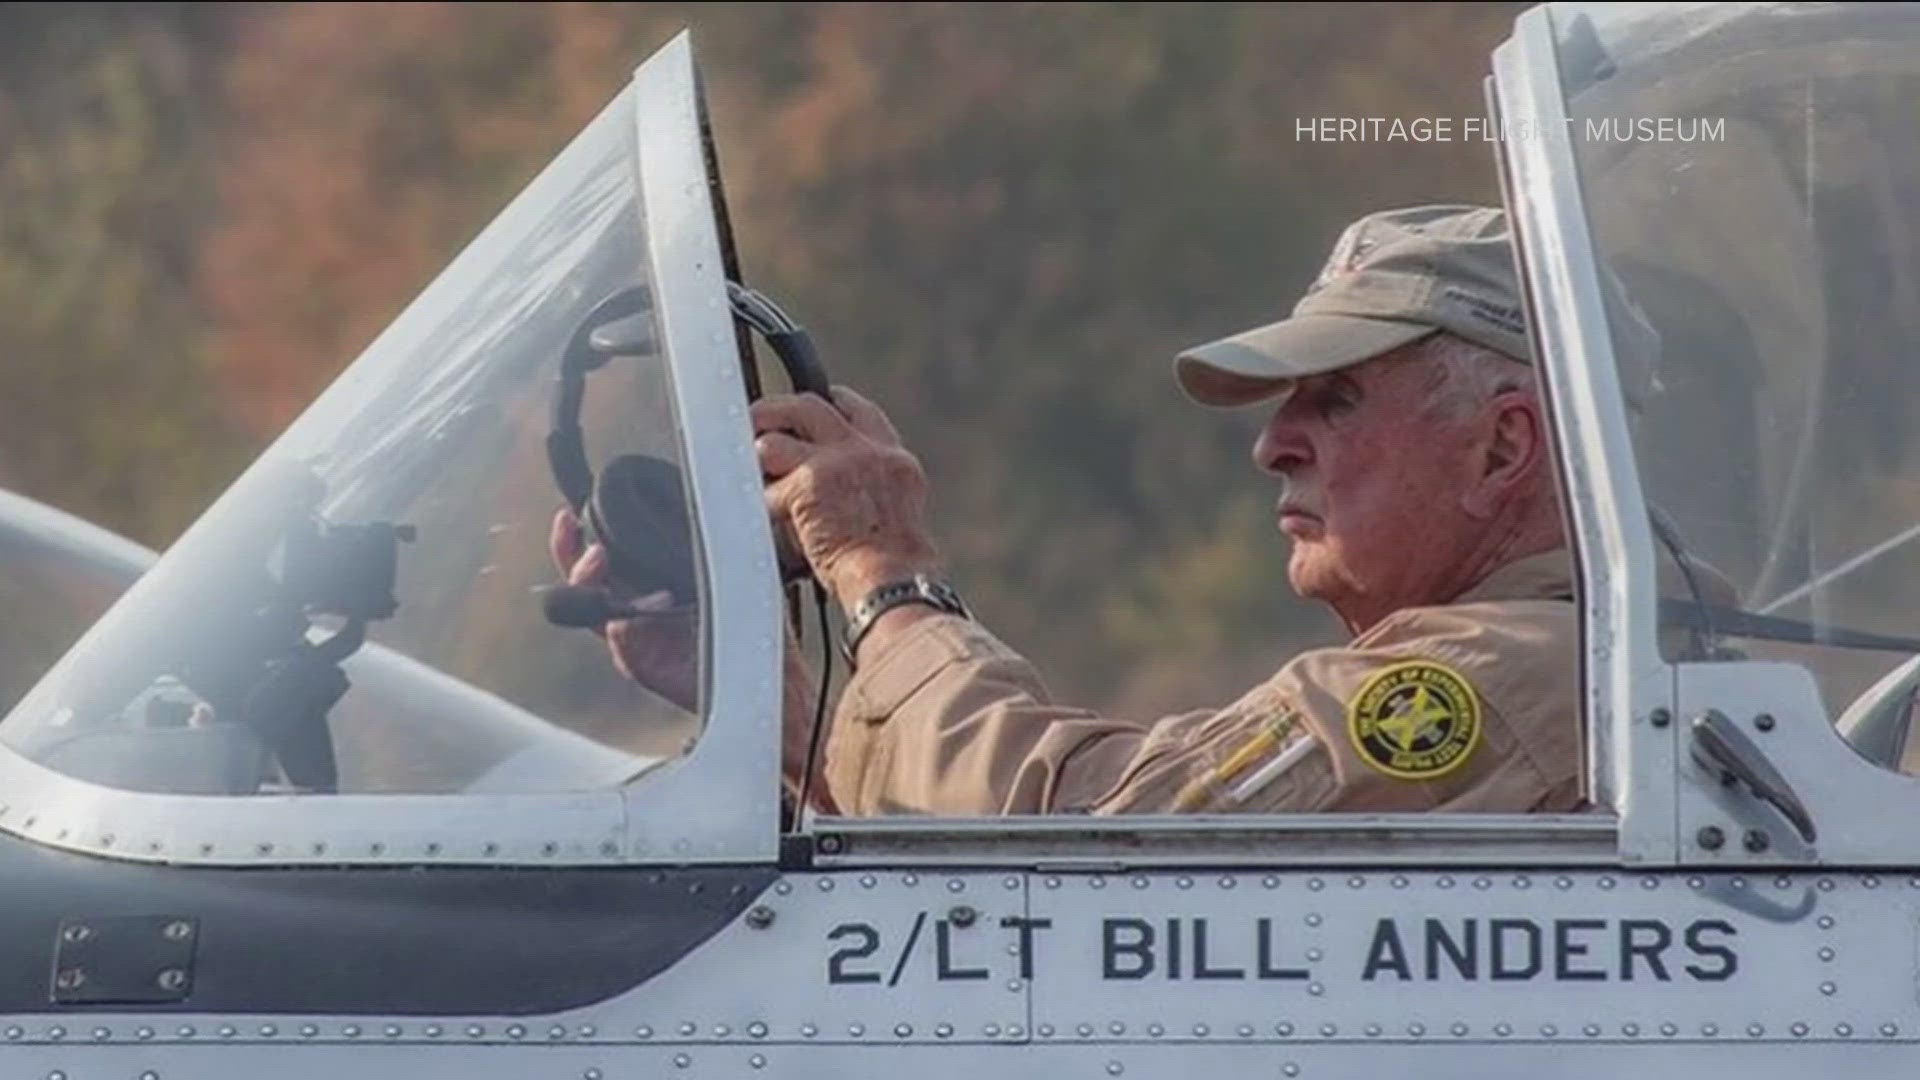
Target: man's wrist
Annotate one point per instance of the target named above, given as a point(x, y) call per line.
point(859, 581)
point(889, 599)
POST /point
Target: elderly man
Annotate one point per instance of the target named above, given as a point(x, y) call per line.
point(1418, 494)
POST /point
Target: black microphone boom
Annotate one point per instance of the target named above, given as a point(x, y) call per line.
point(583, 607)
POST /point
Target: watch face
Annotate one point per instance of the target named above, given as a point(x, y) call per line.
point(945, 598)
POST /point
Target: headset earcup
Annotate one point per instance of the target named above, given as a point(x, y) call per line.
point(639, 512)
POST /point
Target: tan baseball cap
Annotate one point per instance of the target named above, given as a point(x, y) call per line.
point(1394, 277)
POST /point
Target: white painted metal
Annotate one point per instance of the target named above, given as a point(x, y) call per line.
point(1601, 1058)
point(1311, 839)
point(1856, 806)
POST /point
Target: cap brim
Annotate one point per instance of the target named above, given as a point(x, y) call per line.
point(1262, 363)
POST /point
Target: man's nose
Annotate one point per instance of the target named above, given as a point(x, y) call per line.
point(1282, 447)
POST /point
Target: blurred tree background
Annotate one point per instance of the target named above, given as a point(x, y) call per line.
point(1000, 221)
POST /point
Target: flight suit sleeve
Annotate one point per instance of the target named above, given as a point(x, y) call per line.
point(948, 720)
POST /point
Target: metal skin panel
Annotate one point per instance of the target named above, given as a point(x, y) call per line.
point(1462, 1060)
point(1077, 842)
point(1468, 955)
point(348, 943)
point(1781, 975)
point(854, 958)
point(1854, 803)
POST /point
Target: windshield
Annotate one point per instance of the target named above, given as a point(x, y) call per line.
point(1751, 198)
point(363, 610)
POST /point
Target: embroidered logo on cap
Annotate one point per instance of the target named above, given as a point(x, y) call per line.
point(1511, 320)
point(1417, 720)
point(1347, 253)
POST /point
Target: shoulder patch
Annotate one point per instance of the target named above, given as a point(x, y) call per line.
point(1416, 720)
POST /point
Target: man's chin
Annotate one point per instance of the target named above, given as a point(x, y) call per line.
point(1307, 572)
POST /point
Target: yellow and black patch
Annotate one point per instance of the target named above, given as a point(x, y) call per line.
point(1416, 720)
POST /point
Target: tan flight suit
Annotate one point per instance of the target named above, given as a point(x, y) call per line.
point(1481, 695)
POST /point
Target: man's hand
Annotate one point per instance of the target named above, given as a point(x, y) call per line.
point(660, 649)
point(851, 497)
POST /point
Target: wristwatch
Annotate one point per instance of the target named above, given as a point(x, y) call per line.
point(919, 589)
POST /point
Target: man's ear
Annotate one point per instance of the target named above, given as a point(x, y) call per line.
point(1511, 446)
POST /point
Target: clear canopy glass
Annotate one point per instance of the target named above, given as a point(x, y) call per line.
point(363, 611)
point(1748, 174)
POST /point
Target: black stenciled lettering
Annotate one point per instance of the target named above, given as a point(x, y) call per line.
point(1173, 948)
point(1499, 930)
point(1386, 952)
point(1631, 947)
point(1464, 953)
point(1026, 927)
point(1113, 949)
point(868, 941)
point(1696, 943)
point(1264, 930)
point(1200, 968)
point(1566, 950)
point(943, 950)
point(913, 935)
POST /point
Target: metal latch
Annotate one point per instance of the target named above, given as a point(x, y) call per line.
point(1720, 747)
point(124, 960)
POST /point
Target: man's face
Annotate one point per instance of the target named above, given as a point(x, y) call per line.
point(1370, 498)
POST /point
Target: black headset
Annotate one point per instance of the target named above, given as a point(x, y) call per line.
point(635, 507)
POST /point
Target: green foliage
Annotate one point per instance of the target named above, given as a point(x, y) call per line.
point(101, 189)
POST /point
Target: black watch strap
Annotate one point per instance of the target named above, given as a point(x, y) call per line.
point(919, 589)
